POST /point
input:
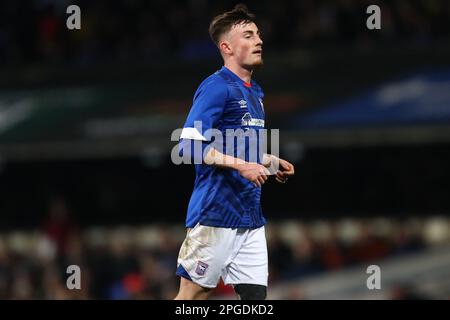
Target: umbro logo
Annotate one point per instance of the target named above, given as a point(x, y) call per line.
point(243, 103)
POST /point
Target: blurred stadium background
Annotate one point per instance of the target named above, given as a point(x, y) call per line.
point(85, 124)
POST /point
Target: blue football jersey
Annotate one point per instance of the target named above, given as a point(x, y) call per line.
point(222, 197)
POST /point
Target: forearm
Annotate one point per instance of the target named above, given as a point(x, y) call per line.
point(199, 152)
point(252, 171)
point(216, 158)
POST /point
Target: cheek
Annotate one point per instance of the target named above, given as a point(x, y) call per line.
point(244, 51)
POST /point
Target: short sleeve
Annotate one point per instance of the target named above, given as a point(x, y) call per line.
point(206, 110)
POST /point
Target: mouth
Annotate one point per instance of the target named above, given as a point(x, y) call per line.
point(257, 51)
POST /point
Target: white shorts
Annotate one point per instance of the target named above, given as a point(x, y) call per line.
point(237, 255)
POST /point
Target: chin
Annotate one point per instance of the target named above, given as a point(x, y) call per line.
point(253, 65)
point(257, 63)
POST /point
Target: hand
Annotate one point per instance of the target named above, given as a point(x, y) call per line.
point(286, 169)
point(254, 172)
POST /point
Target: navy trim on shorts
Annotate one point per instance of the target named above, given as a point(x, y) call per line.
point(183, 273)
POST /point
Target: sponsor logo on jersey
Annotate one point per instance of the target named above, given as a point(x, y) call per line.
point(247, 120)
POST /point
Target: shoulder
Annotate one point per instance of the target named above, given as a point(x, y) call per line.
point(214, 83)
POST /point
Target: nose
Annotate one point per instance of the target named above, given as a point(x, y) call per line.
point(259, 42)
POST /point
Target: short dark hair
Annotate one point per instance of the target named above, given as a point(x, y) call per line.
point(225, 21)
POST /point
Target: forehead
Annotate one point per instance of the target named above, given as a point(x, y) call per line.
point(244, 27)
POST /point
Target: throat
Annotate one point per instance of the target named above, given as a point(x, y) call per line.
point(245, 74)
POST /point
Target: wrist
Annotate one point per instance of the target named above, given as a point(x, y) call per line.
point(267, 159)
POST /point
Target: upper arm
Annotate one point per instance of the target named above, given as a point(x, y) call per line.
point(206, 110)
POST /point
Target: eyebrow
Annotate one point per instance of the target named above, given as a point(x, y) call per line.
point(251, 32)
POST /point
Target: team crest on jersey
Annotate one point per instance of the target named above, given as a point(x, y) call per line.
point(201, 268)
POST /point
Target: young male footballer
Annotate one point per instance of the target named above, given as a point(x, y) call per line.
point(225, 225)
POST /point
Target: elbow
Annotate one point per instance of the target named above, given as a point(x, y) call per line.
point(191, 151)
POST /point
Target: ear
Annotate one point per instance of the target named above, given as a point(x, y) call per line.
point(225, 47)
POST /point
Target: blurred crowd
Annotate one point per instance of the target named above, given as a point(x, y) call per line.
point(34, 31)
point(139, 262)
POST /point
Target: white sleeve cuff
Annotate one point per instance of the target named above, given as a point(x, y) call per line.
point(191, 133)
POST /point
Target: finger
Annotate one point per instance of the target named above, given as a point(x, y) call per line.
point(261, 180)
point(257, 183)
point(280, 180)
point(280, 175)
point(267, 172)
point(291, 170)
point(284, 165)
point(289, 173)
point(287, 167)
point(262, 173)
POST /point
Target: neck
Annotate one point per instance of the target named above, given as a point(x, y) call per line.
point(241, 72)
